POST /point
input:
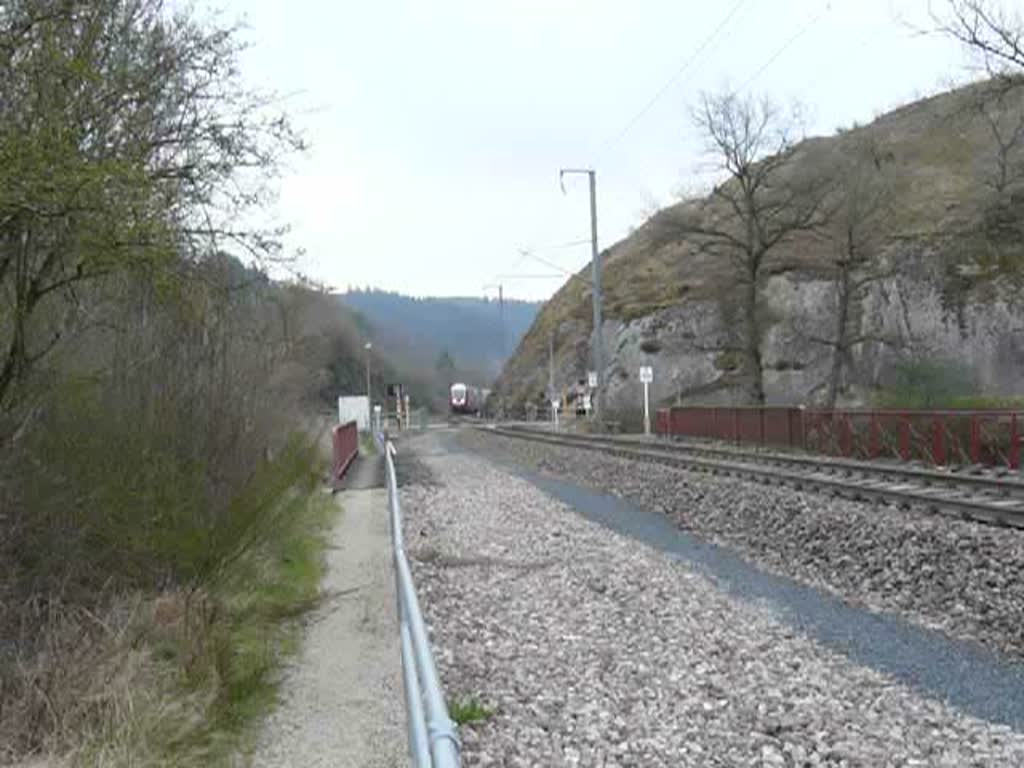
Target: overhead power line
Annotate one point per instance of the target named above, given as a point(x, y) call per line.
point(558, 246)
point(704, 45)
point(782, 49)
point(785, 47)
point(672, 80)
point(528, 277)
point(545, 262)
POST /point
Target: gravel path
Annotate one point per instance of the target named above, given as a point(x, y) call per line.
point(596, 650)
point(342, 699)
point(963, 578)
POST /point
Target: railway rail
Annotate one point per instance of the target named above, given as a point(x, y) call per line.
point(996, 500)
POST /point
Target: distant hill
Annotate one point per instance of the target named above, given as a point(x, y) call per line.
point(415, 333)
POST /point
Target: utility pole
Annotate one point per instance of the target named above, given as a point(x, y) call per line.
point(368, 346)
point(501, 314)
point(551, 368)
point(369, 400)
point(597, 351)
point(501, 339)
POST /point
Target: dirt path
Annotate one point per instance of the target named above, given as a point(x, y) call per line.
point(342, 697)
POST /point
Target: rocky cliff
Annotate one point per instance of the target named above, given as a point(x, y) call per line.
point(947, 246)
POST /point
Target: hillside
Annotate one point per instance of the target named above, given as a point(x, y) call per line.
point(413, 334)
point(943, 238)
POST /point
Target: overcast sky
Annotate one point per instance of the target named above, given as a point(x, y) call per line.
point(438, 127)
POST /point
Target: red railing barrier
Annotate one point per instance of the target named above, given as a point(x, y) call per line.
point(1015, 443)
point(345, 440)
point(939, 437)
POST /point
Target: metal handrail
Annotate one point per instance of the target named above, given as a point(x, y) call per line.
point(433, 737)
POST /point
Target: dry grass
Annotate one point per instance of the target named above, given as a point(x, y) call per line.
point(173, 678)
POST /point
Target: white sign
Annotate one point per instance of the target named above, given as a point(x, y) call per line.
point(354, 408)
point(592, 379)
point(556, 404)
point(586, 403)
point(646, 374)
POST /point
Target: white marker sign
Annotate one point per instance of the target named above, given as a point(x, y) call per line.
point(646, 377)
point(592, 379)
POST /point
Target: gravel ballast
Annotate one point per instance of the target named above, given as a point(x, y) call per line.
point(963, 578)
point(595, 650)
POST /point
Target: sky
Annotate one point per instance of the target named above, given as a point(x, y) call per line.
point(437, 129)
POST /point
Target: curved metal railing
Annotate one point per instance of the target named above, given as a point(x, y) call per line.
point(433, 737)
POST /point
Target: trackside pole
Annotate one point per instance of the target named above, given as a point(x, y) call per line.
point(647, 409)
point(646, 377)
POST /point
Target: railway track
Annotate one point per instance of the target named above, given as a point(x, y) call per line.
point(984, 498)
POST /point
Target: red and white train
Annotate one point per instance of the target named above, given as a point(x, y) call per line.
point(465, 399)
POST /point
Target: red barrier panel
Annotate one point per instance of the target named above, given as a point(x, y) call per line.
point(939, 437)
point(661, 421)
point(1016, 440)
point(345, 440)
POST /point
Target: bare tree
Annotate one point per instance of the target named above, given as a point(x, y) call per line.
point(995, 34)
point(861, 193)
point(1006, 126)
point(984, 26)
point(997, 250)
point(763, 204)
point(128, 141)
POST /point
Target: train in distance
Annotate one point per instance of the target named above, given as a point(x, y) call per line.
point(467, 400)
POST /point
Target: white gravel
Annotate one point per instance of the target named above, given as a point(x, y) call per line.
point(961, 577)
point(595, 650)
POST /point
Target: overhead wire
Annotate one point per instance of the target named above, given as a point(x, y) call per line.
point(545, 262)
point(560, 246)
point(632, 122)
point(608, 144)
point(785, 47)
point(775, 55)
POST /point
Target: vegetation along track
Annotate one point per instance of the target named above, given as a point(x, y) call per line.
point(984, 498)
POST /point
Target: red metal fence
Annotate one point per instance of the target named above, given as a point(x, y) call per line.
point(345, 439)
point(945, 437)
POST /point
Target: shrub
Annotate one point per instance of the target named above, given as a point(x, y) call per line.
point(926, 383)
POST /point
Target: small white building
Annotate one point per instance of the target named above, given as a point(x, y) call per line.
point(355, 408)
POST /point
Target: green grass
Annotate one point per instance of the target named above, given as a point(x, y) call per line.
point(367, 445)
point(467, 710)
point(208, 682)
point(261, 599)
point(982, 402)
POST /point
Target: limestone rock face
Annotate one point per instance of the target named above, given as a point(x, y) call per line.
point(907, 313)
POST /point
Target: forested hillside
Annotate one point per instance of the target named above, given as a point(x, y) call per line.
point(159, 398)
point(431, 341)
